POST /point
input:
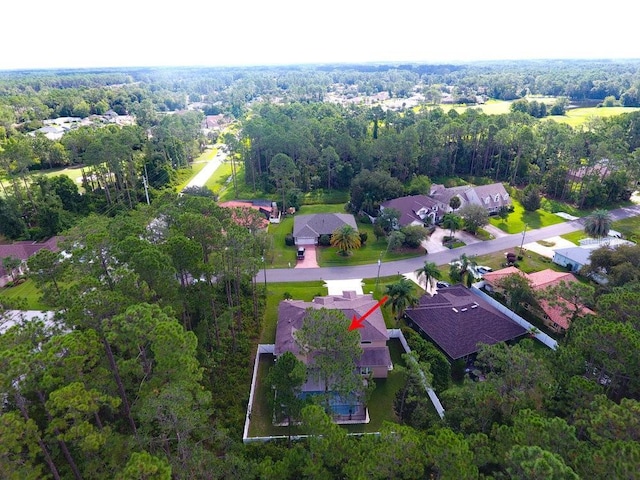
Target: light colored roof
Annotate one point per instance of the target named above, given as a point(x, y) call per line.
point(575, 254)
point(321, 224)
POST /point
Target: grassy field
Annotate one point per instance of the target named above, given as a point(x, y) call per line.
point(25, 295)
point(520, 217)
point(579, 116)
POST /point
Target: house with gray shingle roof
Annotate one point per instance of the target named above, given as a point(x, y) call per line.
point(308, 228)
point(492, 197)
point(375, 357)
point(417, 209)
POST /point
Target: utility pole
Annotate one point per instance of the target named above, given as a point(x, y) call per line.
point(146, 185)
point(523, 234)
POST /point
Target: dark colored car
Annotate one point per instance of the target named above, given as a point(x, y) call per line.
point(300, 253)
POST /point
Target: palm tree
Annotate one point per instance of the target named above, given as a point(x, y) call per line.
point(455, 203)
point(598, 224)
point(429, 271)
point(462, 269)
point(345, 238)
point(452, 222)
point(401, 296)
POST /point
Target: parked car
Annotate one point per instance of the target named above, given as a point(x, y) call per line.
point(482, 269)
point(442, 284)
point(301, 251)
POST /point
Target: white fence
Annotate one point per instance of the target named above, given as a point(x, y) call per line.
point(270, 348)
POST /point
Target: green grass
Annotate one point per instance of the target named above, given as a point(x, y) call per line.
point(517, 219)
point(221, 178)
point(184, 175)
point(554, 206)
point(25, 295)
point(282, 255)
point(629, 227)
point(579, 116)
point(575, 237)
point(275, 294)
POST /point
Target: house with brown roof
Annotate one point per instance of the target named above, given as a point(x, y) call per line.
point(263, 208)
point(375, 357)
point(417, 210)
point(458, 321)
point(492, 197)
point(22, 251)
point(307, 229)
point(553, 314)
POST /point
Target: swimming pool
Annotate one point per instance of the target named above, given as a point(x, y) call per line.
point(338, 405)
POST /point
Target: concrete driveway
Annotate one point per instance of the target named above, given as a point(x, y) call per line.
point(434, 243)
point(310, 258)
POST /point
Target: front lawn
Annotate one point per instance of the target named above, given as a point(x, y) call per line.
point(276, 293)
point(283, 256)
point(517, 219)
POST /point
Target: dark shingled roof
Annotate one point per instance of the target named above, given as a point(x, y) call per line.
point(458, 321)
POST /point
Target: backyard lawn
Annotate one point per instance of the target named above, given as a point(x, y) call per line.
point(380, 406)
point(26, 292)
point(517, 219)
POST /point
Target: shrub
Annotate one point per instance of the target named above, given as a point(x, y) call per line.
point(288, 240)
point(324, 240)
point(364, 219)
point(363, 237)
point(413, 235)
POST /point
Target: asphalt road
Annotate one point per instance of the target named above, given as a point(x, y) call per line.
point(505, 244)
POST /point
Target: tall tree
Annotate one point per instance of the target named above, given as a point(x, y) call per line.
point(332, 352)
point(429, 272)
point(283, 174)
point(401, 296)
point(452, 222)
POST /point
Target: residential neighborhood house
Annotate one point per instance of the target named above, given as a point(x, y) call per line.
point(492, 197)
point(553, 314)
point(375, 359)
point(417, 210)
point(264, 207)
point(22, 251)
point(458, 321)
point(307, 229)
point(575, 258)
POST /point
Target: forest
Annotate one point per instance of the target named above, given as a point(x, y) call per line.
point(145, 370)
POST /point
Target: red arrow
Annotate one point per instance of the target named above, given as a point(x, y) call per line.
point(357, 322)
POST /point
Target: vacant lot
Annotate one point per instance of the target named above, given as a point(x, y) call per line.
point(517, 219)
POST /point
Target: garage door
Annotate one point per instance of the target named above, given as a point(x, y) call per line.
point(305, 241)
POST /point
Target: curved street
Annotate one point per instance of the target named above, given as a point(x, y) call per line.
point(504, 243)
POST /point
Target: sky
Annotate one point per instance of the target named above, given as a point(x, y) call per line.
point(122, 33)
